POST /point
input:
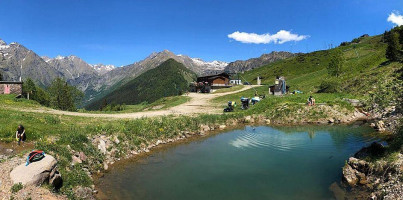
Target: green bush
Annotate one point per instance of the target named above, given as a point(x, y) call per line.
point(16, 187)
point(329, 86)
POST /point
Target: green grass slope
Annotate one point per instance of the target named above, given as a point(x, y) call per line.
point(169, 79)
point(364, 65)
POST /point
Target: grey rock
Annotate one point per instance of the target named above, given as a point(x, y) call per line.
point(349, 175)
point(83, 192)
point(102, 146)
point(35, 173)
point(56, 180)
point(82, 156)
point(76, 159)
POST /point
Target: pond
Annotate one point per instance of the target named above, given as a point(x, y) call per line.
point(252, 163)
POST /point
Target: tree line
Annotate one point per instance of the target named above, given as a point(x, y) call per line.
point(394, 39)
point(59, 95)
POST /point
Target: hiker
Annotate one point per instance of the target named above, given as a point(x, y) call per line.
point(311, 101)
point(20, 134)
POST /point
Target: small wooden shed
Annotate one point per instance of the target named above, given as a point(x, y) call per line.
point(11, 87)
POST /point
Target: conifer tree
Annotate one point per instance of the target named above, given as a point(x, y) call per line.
point(336, 63)
point(64, 96)
point(393, 49)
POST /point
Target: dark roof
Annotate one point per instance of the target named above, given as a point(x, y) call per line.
point(215, 75)
point(10, 82)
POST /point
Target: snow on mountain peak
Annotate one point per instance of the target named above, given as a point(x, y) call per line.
point(46, 59)
point(216, 65)
point(59, 57)
point(3, 45)
point(103, 68)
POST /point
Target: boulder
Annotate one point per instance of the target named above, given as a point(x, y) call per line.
point(221, 127)
point(55, 179)
point(354, 102)
point(102, 146)
point(116, 140)
point(82, 156)
point(158, 142)
point(249, 119)
point(204, 128)
point(83, 192)
point(349, 175)
point(380, 126)
point(76, 159)
point(35, 173)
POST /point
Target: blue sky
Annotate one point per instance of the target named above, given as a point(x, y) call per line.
point(122, 32)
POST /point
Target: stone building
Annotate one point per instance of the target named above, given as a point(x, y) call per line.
point(10, 87)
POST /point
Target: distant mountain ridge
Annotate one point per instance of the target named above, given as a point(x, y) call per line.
point(246, 65)
point(97, 80)
point(71, 67)
point(167, 79)
point(101, 85)
point(17, 61)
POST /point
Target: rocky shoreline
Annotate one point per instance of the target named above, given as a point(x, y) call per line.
point(113, 150)
point(374, 173)
point(381, 179)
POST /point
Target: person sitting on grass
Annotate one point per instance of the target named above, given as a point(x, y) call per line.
point(311, 101)
point(20, 134)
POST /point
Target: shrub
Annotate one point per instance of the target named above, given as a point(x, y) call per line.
point(344, 43)
point(355, 40)
point(16, 187)
point(329, 86)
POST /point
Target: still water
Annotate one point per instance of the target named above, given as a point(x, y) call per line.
point(251, 163)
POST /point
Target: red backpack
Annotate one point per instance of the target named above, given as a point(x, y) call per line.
point(35, 155)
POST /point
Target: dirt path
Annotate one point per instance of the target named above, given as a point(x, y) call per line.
point(198, 104)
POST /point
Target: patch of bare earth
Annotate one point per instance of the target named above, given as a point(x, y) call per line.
point(33, 192)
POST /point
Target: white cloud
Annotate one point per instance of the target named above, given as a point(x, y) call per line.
point(280, 37)
point(396, 18)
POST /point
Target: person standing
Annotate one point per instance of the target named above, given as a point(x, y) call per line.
point(20, 134)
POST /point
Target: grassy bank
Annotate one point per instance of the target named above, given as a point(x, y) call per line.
point(163, 103)
point(60, 135)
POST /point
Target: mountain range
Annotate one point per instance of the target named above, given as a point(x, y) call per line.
point(168, 79)
point(97, 80)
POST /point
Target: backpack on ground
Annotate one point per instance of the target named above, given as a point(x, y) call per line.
point(35, 155)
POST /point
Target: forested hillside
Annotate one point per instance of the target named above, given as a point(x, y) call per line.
point(168, 79)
